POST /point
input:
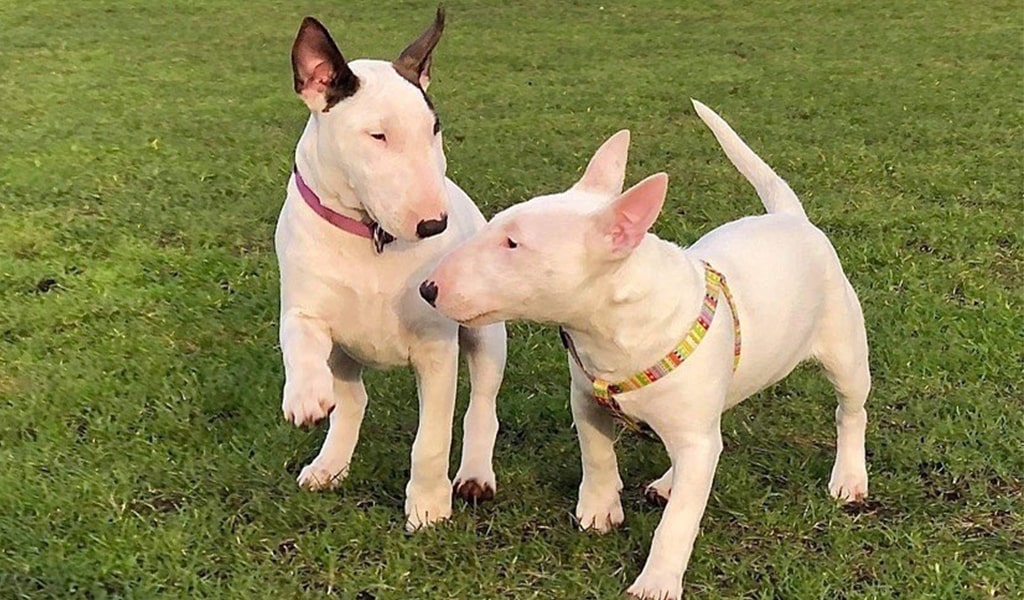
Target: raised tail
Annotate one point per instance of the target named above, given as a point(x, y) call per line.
point(775, 193)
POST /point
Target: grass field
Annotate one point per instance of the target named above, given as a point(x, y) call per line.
point(144, 149)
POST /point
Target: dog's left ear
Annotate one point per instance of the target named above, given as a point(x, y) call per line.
point(414, 62)
point(624, 223)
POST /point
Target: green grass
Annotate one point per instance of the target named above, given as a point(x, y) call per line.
point(144, 149)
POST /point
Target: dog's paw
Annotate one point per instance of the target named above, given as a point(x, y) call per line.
point(659, 491)
point(656, 586)
point(306, 402)
point(315, 478)
point(426, 509)
point(474, 491)
point(475, 485)
point(599, 514)
point(848, 484)
point(851, 489)
point(657, 497)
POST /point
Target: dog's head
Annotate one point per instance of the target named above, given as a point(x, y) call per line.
point(377, 133)
point(541, 260)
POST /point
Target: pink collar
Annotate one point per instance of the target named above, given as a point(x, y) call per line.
point(370, 231)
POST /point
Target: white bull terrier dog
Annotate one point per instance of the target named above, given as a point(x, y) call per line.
point(368, 213)
point(583, 260)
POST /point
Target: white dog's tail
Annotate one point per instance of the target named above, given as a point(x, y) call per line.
point(774, 192)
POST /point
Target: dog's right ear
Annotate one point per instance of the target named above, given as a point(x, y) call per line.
point(607, 169)
point(322, 77)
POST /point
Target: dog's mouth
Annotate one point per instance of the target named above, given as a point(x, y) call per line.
point(381, 238)
point(481, 319)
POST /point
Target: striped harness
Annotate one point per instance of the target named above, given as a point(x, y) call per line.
point(604, 391)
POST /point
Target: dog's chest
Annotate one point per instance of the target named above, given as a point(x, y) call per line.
point(365, 320)
point(369, 302)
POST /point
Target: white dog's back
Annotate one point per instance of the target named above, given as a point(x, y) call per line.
point(783, 270)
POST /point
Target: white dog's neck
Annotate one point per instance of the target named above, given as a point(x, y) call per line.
point(326, 181)
point(642, 310)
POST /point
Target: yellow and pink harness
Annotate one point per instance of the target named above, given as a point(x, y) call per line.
point(604, 391)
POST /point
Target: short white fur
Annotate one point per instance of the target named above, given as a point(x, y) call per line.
point(583, 260)
point(345, 306)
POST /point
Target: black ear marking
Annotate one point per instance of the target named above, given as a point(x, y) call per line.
point(318, 65)
point(414, 62)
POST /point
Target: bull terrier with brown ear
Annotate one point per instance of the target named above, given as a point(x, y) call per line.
point(368, 214)
point(666, 336)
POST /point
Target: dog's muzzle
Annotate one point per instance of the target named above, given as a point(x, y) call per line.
point(431, 227)
point(428, 290)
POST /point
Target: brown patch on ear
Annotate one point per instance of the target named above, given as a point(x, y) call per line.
point(318, 67)
point(413, 63)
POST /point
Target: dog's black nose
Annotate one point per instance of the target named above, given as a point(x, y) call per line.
point(428, 289)
point(431, 227)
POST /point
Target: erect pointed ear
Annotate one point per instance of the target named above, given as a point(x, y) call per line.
point(414, 62)
point(322, 76)
point(607, 169)
point(624, 222)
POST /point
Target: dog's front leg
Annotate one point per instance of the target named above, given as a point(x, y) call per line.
point(694, 459)
point(485, 350)
point(428, 497)
point(599, 507)
point(308, 385)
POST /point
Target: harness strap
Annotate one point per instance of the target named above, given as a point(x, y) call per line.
point(604, 391)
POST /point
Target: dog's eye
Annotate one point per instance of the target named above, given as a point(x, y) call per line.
point(379, 137)
point(511, 243)
point(437, 126)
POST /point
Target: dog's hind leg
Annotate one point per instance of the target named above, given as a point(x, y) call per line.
point(659, 490)
point(330, 466)
point(485, 351)
point(842, 349)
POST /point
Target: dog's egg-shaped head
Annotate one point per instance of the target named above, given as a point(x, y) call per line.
point(550, 258)
point(377, 133)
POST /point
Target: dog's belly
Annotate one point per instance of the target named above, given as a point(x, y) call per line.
point(745, 386)
point(380, 356)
